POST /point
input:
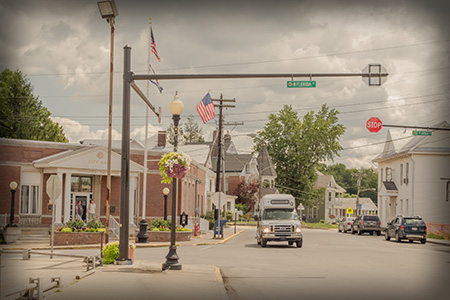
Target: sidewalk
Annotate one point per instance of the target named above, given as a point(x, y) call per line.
point(142, 280)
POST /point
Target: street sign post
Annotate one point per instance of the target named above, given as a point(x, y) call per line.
point(301, 84)
point(421, 132)
point(374, 124)
point(53, 191)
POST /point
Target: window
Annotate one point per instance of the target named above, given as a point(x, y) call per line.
point(81, 184)
point(315, 212)
point(407, 173)
point(29, 199)
point(448, 191)
point(401, 174)
point(329, 197)
point(381, 174)
point(388, 174)
point(228, 205)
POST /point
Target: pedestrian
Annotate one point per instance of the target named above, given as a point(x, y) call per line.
point(91, 210)
point(79, 211)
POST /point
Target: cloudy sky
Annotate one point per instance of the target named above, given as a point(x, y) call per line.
point(63, 48)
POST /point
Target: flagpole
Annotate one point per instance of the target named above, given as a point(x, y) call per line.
point(144, 190)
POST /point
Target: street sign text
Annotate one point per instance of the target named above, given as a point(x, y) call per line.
point(301, 84)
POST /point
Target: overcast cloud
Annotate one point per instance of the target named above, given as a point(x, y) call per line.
point(63, 48)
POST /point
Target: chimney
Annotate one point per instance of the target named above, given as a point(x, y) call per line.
point(162, 139)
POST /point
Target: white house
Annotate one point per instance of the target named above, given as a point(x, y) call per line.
point(414, 179)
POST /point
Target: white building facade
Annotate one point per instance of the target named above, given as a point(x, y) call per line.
point(415, 179)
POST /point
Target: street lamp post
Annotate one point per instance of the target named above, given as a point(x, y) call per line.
point(108, 11)
point(176, 108)
point(13, 187)
point(166, 192)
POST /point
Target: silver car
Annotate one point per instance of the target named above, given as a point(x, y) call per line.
point(345, 224)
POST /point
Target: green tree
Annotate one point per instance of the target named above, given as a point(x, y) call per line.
point(188, 132)
point(22, 114)
point(347, 178)
point(192, 132)
point(298, 146)
point(246, 194)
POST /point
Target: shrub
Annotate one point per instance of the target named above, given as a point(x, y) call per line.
point(75, 223)
point(160, 223)
point(322, 221)
point(110, 253)
point(66, 229)
point(94, 223)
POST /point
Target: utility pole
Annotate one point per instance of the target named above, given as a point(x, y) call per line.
point(219, 150)
point(358, 181)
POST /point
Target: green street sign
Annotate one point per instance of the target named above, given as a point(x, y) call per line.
point(301, 84)
point(421, 132)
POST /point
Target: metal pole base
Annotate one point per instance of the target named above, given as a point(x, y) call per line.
point(172, 260)
point(142, 235)
point(124, 262)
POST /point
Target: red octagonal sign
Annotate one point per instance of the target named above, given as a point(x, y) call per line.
point(374, 124)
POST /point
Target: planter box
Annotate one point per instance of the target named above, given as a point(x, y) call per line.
point(77, 238)
point(164, 236)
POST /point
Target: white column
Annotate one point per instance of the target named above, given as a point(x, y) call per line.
point(58, 208)
point(67, 193)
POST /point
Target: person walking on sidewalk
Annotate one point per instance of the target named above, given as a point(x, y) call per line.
point(91, 210)
point(79, 211)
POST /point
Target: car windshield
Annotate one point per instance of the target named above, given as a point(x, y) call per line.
point(280, 214)
point(413, 221)
point(371, 218)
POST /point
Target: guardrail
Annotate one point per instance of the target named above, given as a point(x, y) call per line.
point(35, 290)
point(114, 226)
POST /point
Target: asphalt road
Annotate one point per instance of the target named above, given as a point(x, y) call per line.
point(330, 265)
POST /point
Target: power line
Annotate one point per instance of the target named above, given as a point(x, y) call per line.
point(257, 62)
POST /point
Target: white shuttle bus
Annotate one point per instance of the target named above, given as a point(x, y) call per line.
point(278, 221)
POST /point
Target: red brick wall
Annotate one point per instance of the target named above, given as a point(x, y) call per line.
point(8, 174)
point(77, 238)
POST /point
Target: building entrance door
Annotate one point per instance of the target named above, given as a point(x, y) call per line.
point(84, 198)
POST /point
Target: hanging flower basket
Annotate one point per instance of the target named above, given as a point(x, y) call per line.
point(174, 164)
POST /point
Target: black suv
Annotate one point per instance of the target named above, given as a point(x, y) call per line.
point(408, 228)
point(367, 223)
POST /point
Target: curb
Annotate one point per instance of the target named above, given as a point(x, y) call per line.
point(219, 242)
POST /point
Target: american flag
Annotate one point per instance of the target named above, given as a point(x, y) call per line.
point(153, 44)
point(206, 109)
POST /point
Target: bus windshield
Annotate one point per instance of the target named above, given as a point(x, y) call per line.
point(280, 214)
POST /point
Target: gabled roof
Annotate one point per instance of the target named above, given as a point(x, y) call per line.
point(328, 182)
point(86, 158)
point(438, 142)
point(233, 162)
point(366, 203)
point(264, 159)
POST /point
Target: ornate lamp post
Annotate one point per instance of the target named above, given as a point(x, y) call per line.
point(176, 108)
point(13, 187)
point(166, 192)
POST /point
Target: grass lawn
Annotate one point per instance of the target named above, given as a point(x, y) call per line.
point(319, 225)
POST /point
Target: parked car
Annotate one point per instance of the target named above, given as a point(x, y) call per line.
point(345, 224)
point(367, 223)
point(408, 228)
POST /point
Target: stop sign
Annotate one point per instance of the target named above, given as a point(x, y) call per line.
point(374, 124)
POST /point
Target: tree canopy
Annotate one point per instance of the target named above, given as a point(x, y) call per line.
point(22, 114)
point(347, 178)
point(298, 146)
point(188, 132)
